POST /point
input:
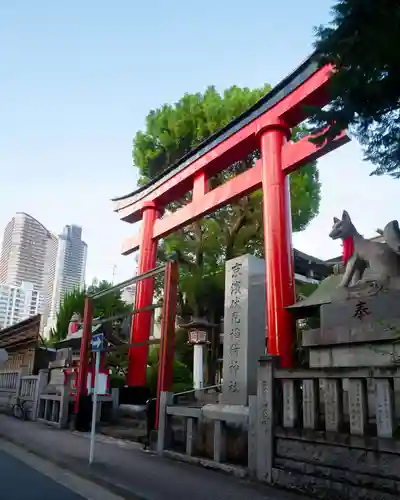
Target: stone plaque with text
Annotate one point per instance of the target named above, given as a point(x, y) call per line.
point(244, 327)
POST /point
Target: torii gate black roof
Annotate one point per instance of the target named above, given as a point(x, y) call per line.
point(284, 88)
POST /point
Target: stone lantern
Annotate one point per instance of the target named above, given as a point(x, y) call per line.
point(199, 330)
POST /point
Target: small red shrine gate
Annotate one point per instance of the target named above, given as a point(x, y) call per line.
point(170, 271)
point(265, 126)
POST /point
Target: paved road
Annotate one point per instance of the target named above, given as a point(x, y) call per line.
point(20, 482)
point(121, 467)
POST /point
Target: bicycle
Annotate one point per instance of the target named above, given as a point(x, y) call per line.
point(20, 411)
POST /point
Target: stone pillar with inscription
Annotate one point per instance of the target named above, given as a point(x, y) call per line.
point(244, 328)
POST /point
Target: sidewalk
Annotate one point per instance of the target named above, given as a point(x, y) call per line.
point(125, 470)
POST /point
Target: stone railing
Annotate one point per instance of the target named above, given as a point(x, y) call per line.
point(53, 409)
point(27, 388)
point(329, 432)
point(17, 387)
point(53, 406)
point(9, 381)
point(213, 421)
point(30, 389)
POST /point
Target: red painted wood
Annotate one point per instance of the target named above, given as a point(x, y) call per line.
point(277, 160)
point(200, 187)
point(294, 156)
point(84, 352)
point(141, 323)
point(168, 319)
point(244, 141)
point(297, 154)
point(277, 240)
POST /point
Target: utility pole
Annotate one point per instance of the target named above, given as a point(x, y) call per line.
point(114, 271)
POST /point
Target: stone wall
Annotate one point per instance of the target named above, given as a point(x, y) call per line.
point(301, 431)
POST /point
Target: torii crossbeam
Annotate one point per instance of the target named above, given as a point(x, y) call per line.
point(265, 126)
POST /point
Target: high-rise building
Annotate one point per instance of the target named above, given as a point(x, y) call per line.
point(70, 266)
point(28, 255)
point(18, 303)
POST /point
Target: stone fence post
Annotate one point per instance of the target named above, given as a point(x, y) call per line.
point(64, 408)
point(265, 418)
point(22, 373)
point(41, 383)
point(163, 441)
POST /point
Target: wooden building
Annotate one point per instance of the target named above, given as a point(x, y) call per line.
point(310, 269)
point(26, 350)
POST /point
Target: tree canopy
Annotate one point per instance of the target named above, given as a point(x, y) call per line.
point(362, 42)
point(74, 302)
point(204, 246)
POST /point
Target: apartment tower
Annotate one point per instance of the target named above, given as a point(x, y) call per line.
point(29, 256)
point(70, 266)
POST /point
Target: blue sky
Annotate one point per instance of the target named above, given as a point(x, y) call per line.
point(78, 78)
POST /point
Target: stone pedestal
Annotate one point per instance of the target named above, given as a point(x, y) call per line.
point(359, 332)
point(56, 368)
point(198, 366)
point(244, 328)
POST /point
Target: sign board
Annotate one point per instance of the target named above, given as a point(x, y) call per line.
point(97, 342)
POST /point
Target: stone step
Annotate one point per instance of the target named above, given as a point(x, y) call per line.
point(131, 423)
point(132, 411)
point(125, 433)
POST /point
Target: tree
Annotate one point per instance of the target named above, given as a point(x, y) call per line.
point(205, 245)
point(182, 379)
point(362, 42)
point(74, 302)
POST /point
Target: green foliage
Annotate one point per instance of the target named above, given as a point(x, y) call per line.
point(204, 246)
point(305, 289)
point(183, 350)
point(117, 361)
point(362, 42)
point(74, 302)
point(173, 130)
point(182, 376)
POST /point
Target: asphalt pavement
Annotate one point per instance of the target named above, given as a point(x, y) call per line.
point(18, 481)
point(119, 467)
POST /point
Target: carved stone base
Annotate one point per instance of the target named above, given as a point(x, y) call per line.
point(358, 332)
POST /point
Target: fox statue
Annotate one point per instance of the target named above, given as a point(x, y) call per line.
point(382, 258)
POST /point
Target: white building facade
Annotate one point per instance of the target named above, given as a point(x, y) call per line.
point(28, 255)
point(18, 303)
point(128, 294)
point(70, 266)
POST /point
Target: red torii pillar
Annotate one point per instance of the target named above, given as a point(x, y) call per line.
point(141, 324)
point(269, 132)
point(279, 265)
point(278, 257)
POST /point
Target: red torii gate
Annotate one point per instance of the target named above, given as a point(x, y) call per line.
point(265, 126)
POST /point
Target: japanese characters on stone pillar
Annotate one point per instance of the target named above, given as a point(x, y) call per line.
point(244, 327)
